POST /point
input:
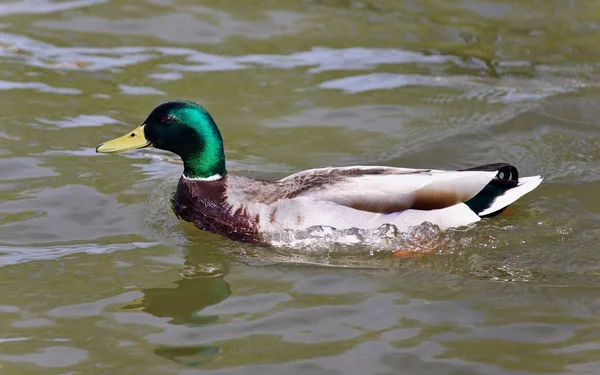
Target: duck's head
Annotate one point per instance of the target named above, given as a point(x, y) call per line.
point(184, 128)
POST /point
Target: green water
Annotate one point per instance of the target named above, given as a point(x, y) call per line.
point(99, 277)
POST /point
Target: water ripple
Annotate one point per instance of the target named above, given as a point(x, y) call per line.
point(43, 7)
point(37, 86)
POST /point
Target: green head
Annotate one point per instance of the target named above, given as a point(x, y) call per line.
point(184, 128)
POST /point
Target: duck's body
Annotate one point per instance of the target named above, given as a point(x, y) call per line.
point(244, 209)
point(365, 197)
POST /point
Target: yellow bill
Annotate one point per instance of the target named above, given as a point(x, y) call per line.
point(130, 141)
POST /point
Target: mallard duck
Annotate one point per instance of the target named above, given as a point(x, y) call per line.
point(245, 209)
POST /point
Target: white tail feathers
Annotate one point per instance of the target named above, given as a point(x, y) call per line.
point(526, 184)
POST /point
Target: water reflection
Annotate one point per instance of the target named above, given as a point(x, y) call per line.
point(189, 356)
point(202, 285)
point(184, 302)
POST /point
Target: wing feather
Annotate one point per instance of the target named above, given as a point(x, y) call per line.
point(389, 192)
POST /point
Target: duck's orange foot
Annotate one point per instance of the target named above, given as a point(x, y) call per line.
point(508, 211)
point(437, 245)
point(408, 253)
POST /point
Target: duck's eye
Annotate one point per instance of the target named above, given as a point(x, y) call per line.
point(168, 119)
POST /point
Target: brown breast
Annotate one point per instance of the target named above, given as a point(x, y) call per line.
point(204, 203)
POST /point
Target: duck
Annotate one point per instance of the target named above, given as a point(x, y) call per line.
point(248, 209)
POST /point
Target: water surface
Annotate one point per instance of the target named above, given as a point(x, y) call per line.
point(99, 277)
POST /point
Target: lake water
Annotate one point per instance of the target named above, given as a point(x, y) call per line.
point(99, 277)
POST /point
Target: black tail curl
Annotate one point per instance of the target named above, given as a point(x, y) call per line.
point(506, 179)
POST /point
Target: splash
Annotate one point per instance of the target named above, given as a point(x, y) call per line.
point(387, 237)
point(326, 246)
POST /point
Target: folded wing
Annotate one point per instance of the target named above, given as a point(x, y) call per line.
point(387, 190)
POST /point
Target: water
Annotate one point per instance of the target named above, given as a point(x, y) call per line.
point(99, 277)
